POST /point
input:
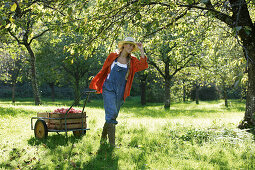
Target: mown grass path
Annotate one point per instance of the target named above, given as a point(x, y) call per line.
point(188, 136)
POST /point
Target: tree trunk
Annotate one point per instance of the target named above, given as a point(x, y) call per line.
point(33, 75)
point(13, 91)
point(225, 94)
point(52, 87)
point(249, 120)
point(77, 92)
point(167, 94)
point(197, 94)
point(248, 39)
point(242, 18)
point(167, 85)
point(184, 93)
point(143, 93)
point(143, 78)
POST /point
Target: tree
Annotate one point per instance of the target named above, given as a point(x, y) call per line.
point(28, 20)
point(143, 84)
point(59, 64)
point(176, 49)
point(225, 57)
point(77, 70)
point(237, 15)
point(48, 63)
point(12, 61)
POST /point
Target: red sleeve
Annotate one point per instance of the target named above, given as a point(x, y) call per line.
point(98, 81)
point(139, 65)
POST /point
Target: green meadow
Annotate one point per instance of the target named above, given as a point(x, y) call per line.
point(188, 136)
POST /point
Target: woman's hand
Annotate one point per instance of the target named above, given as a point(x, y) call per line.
point(140, 46)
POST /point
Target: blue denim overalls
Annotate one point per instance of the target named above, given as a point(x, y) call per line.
point(113, 91)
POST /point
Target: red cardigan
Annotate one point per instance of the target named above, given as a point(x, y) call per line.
point(135, 66)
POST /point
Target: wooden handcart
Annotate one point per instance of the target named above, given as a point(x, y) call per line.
point(59, 122)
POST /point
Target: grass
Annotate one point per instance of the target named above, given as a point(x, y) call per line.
point(188, 136)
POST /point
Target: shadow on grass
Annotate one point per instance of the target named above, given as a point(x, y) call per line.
point(162, 113)
point(103, 159)
point(133, 106)
point(61, 156)
point(4, 111)
point(252, 131)
point(53, 141)
point(52, 150)
point(157, 110)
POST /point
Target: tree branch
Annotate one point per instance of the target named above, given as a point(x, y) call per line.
point(166, 26)
point(187, 61)
point(182, 67)
point(39, 35)
point(217, 14)
point(176, 71)
point(14, 36)
point(70, 71)
point(155, 65)
point(158, 3)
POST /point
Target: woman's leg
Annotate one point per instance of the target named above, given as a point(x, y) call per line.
point(110, 107)
point(111, 134)
point(111, 113)
point(104, 133)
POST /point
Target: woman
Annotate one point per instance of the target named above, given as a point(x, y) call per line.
point(114, 81)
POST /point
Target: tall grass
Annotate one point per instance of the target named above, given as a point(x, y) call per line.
point(188, 136)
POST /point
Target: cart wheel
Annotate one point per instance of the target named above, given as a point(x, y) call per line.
point(78, 133)
point(41, 130)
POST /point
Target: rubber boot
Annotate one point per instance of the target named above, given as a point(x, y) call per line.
point(111, 134)
point(104, 134)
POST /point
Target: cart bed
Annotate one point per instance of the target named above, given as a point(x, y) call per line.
point(56, 121)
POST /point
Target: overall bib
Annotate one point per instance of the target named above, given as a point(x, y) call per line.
point(113, 92)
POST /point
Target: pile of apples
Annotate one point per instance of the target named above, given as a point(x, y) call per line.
point(64, 110)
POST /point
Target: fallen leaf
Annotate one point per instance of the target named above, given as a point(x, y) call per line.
point(73, 164)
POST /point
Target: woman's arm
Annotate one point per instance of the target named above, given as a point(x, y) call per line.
point(139, 65)
point(140, 46)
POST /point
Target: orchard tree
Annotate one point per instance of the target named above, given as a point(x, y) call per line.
point(27, 20)
point(48, 62)
point(77, 71)
point(143, 75)
point(237, 15)
point(226, 60)
point(12, 60)
point(81, 66)
point(61, 63)
point(173, 50)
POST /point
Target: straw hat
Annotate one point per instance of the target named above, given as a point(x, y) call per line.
point(128, 40)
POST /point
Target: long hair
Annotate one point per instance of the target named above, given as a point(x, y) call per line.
point(128, 64)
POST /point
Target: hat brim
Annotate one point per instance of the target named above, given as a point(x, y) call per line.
point(121, 43)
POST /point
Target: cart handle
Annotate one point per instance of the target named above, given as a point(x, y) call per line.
point(91, 91)
point(86, 92)
point(85, 102)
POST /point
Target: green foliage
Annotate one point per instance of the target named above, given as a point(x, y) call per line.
point(60, 63)
point(173, 33)
point(12, 62)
